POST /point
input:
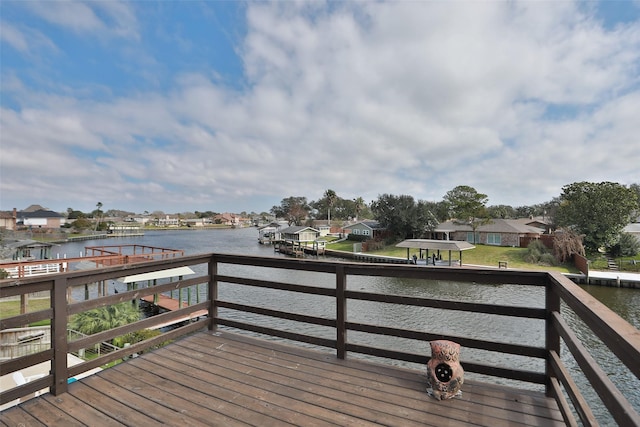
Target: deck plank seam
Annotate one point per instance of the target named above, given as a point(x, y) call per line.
point(296, 389)
point(381, 399)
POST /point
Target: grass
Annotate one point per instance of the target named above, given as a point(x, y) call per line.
point(482, 255)
point(12, 307)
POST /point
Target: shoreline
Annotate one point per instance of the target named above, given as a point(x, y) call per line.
point(617, 279)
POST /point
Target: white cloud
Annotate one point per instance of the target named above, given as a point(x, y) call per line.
point(25, 40)
point(363, 98)
point(102, 17)
point(14, 37)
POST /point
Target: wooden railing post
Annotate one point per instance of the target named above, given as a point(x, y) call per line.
point(213, 292)
point(59, 367)
point(552, 336)
point(341, 312)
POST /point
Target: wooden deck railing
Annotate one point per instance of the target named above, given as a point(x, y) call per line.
point(228, 271)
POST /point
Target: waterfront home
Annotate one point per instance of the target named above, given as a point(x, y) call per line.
point(633, 228)
point(267, 234)
point(300, 234)
point(227, 219)
point(39, 218)
point(8, 220)
point(168, 221)
point(498, 232)
point(323, 226)
point(27, 249)
point(367, 228)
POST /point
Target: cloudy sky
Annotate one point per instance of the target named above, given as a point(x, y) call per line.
point(233, 106)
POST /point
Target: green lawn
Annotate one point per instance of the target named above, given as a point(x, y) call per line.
point(12, 308)
point(481, 255)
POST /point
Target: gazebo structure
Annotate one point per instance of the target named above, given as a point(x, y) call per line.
point(435, 245)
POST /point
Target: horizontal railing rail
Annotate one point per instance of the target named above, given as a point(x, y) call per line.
point(621, 338)
point(222, 274)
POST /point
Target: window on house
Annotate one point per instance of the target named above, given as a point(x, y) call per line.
point(365, 232)
point(356, 231)
point(470, 238)
point(494, 239)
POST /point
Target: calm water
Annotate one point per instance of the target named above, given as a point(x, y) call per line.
point(625, 302)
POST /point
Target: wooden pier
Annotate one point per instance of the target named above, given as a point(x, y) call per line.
point(171, 304)
point(299, 249)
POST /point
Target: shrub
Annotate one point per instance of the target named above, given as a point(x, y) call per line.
point(548, 259)
point(138, 336)
point(538, 253)
point(104, 318)
point(628, 245)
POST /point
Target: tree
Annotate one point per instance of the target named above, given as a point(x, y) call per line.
point(402, 216)
point(98, 213)
point(359, 205)
point(599, 211)
point(105, 318)
point(467, 206)
point(501, 211)
point(81, 224)
point(331, 197)
point(566, 243)
point(293, 209)
point(427, 221)
point(628, 245)
point(342, 209)
point(74, 214)
point(636, 189)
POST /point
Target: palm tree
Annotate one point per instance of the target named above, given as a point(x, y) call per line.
point(99, 212)
point(359, 206)
point(104, 318)
point(331, 198)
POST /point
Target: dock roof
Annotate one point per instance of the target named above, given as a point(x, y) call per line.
point(442, 245)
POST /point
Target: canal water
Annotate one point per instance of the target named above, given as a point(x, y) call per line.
point(623, 301)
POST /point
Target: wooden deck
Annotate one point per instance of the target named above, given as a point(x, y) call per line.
point(227, 379)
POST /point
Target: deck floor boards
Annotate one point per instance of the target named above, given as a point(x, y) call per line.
point(227, 379)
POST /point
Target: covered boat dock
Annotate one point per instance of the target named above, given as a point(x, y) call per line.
point(435, 245)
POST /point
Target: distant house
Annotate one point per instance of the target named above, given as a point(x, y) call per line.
point(197, 222)
point(538, 222)
point(270, 233)
point(499, 232)
point(227, 219)
point(168, 221)
point(39, 218)
point(28, 249)
point(8, 220)
point(368, 228)
point(633, 229)
point(323, 226)
point(300, 234)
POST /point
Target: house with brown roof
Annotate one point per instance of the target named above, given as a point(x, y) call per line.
point(498, 232)
point(538, 222)
point(38, 217)
point(227, 219)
